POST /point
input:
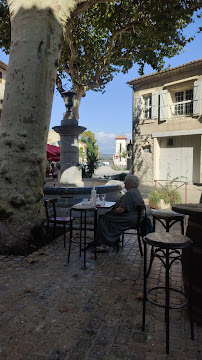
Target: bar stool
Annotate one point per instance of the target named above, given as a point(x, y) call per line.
point(166, 247)
point(169, 216)
point(82, 239)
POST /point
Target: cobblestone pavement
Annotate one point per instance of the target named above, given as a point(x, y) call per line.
point(51, 310)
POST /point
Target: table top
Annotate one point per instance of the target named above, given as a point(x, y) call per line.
point(88, 206)
point(188, 209)
point(106, 205)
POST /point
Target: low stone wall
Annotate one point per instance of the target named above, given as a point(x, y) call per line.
point(87, 182)
point(70, 196)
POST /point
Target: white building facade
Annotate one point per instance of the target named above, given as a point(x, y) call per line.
point(167, 124)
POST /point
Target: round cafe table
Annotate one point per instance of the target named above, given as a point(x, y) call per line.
point(194, 231)
point(83, 208)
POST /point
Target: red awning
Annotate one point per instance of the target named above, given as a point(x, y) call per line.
point(53, 152)
point(54, 158)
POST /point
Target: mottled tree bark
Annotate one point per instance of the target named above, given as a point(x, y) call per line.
point(37, 28)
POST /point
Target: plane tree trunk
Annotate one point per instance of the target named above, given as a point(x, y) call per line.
point(35, 48)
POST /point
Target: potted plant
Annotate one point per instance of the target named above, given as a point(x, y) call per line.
point(164, 198)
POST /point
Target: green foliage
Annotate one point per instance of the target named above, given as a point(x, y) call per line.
point(124, 154)
point(81, 154)
point(92, 153)
point(169, 195)
point(5, 26)
point(110, 37)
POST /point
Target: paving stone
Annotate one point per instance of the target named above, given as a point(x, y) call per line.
point(98, 352)
point(53, 310)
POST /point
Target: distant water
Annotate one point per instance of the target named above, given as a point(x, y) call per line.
point(107, 171)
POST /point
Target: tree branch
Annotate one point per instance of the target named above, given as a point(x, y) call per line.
point(122, 30)
point(72, 55)
point(97, 82)
point(83, 6)
point(59, 85)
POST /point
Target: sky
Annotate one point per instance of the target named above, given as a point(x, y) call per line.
point(110, 114)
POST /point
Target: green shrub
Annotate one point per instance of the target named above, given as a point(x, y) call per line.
point(168, 194)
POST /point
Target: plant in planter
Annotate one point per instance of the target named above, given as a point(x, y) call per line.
point(164, 198)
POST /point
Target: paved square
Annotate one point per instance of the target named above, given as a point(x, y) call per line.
point(53, 310)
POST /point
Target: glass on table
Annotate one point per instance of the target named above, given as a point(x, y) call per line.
point(103, 198)
point(97, 199)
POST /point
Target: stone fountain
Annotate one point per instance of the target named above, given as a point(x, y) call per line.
point(69, 131)
point(71, 189)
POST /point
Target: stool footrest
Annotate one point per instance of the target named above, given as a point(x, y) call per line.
point(163, 305)
point(76, 240)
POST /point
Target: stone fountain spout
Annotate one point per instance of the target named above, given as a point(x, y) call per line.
point(69, 131)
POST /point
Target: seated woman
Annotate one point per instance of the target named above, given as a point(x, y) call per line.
point(123, 216)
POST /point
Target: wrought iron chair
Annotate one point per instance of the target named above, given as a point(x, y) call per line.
point(53, 219)
point(141, 210)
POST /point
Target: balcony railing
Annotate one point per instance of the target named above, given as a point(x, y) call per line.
point(182, 108)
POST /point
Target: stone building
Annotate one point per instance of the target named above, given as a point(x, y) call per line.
point(167, 124)
point(3, 67)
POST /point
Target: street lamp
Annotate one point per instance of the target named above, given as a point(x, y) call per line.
point(130, 149)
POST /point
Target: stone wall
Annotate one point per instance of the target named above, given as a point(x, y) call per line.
point(143, 158)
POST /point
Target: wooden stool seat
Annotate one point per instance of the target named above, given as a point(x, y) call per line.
point(167, 218)
point(168, 241)
point(167, 214)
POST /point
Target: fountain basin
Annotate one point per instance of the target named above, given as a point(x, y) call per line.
point(69, 196)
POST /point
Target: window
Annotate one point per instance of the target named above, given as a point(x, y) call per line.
point(170, 142)
point(146, 148)
point(183, 104)
point(0, 77)
point(189, 104)
point(147, 107)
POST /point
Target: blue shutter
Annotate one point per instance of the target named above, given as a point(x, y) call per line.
point(137, 110)
point(155, 103)
point(197, 98)
point(163, 105)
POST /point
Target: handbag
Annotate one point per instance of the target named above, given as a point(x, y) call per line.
point(146, 225)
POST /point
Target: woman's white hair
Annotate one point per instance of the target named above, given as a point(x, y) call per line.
point(134, 180)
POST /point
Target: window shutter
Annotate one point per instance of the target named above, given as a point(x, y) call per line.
point(155, 98)
point(197, 98)
point(137, 108)
point(163, 105)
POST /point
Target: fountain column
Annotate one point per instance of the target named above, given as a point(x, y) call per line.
point(69, 132)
